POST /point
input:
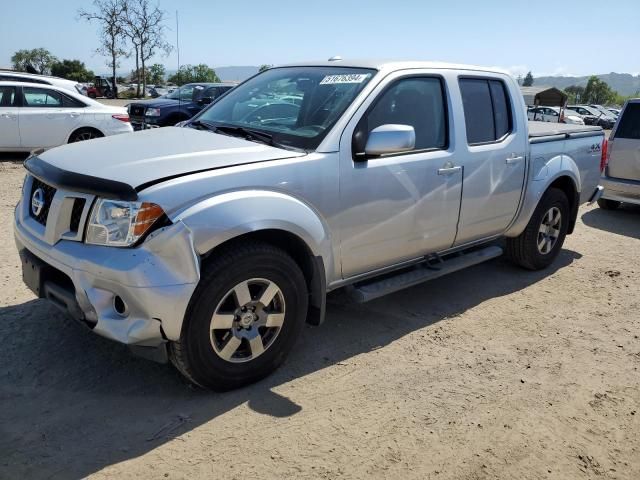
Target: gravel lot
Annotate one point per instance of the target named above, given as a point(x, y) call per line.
point(492, 372)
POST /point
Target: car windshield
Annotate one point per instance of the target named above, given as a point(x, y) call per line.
point(296, 106)
point(187, 93)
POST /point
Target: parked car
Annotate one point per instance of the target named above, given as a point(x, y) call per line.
point(615, 112)
point(72, 86)
point(598, 118)
point(175, 107)
point(554, 115)
point(621, 179)
point(212, 244)
point(605, 112)
point(33, 115)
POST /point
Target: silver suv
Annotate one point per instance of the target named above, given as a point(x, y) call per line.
point(621, 179)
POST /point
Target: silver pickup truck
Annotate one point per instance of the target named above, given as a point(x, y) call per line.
point(211, 244)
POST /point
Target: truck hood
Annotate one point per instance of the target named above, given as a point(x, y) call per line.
point(150, 156)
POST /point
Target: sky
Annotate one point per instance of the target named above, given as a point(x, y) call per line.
point(559, 37)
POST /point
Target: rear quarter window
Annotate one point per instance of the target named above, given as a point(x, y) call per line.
point(629, 126)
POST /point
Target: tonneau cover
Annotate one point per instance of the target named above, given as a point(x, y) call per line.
point(548, 129)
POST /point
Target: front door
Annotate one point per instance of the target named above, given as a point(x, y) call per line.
point(398, 207)
point(493, 158)
point(9, 118)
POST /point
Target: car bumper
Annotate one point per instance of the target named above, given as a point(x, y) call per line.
point(621, 190)
point(141, 123)
point(155, 281)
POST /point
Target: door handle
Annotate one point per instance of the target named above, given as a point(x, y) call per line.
point(7, 115)
point(74, 115)
point(449, 170)
point(514, 159)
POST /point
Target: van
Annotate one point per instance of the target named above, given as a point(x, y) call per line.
point(621, 177)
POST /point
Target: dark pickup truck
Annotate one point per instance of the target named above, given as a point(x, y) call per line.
point(179, 105)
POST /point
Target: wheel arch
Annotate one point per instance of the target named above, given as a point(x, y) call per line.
point(271, 217)
point(559, 172)
point(85, 127)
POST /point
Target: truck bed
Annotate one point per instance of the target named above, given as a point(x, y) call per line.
point(539, 130)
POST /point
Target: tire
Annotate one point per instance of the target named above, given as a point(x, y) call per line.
point(535, 249)
point(214, 356)
point(83, 134)
point(605, 204)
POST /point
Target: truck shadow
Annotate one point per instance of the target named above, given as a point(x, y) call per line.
point(623, 221)
point(74, 403)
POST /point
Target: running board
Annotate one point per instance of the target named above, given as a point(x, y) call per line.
point(423, 272)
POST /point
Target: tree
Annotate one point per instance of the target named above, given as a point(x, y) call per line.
point(72, 70)
point(109, 15)
point(520, 79)
point(38, 60)
point(575, 93)
point(145, 28)
point(264, 67)
point(598, 91)
point(157, 73)
point(194, 73)
point(528, 80)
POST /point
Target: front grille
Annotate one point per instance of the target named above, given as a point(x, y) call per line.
point(76, 214)
point(49, 192)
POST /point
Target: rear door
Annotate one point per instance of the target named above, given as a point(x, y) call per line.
point(46, 120)
point(9, 118)
point(624, 144)
point(492, 154)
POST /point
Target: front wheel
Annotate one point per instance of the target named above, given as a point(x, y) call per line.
point(540, 243)
point(243, 319)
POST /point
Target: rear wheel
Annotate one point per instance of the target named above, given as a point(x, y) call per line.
point(540, 243)
point(84, 134)
point(608, 204)
point(244, 317)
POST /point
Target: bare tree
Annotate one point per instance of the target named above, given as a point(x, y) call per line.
point(110, 15)
point(146, 31)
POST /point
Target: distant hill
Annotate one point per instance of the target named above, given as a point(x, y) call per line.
point(623, 83)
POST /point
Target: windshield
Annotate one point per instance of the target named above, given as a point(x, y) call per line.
point(297, 106)
point(187, 93)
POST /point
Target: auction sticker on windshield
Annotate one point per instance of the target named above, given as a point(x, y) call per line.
point(351, 78)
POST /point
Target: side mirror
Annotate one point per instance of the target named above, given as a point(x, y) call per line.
point(205, 100)
point(390, 138)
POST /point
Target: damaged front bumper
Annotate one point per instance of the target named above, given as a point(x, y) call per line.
point(136, 296)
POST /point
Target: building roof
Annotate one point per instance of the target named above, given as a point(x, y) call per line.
point(548, 96)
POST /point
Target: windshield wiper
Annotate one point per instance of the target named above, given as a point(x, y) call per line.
point(203, 125)
point(247, 133)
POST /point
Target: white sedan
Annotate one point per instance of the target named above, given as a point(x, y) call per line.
point(552, 114)
point(43, 116)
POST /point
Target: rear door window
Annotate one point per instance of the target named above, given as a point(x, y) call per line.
point(629, 126)
point(487, 110)
point(41, 97)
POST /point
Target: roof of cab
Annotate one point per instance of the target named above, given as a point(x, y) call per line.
point(395, 65)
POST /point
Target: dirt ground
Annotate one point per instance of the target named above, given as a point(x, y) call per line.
point(492, 372)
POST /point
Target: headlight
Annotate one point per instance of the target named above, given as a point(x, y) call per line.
point(152, 112)
point(121, 224)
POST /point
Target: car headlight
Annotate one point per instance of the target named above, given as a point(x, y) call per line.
point(152, 112)
point(121, 224)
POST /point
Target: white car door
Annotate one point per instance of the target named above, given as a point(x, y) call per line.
point(45, 120)
point(9, 118)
